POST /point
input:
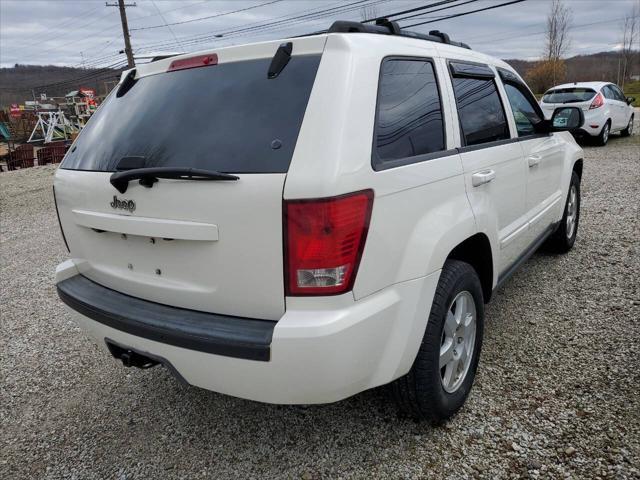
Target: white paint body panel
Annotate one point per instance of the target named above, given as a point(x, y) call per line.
point(324, 348)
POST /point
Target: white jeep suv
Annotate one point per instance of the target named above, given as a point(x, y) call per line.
point(606, 109)
point(298, 221)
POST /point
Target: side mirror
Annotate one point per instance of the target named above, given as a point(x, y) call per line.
point(630, 100)
point(566, 118)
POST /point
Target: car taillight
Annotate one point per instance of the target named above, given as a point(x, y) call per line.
point(598, 101)
point(324, 242)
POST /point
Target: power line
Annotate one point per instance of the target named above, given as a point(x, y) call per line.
point(170, 10)
point(411, 10)
point(465, 13)
point(420, 15)
point(208, 17)
point(545, 31)
point(260, 26)
point(165, 23)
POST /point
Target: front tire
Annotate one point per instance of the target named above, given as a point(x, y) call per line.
point(627, 132)
point(564, 237)
point(442, 374)
point(603, 137)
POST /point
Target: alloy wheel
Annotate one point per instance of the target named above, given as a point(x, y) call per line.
point(458, 341)
point(572, 211)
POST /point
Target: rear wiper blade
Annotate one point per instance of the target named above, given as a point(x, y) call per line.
point(149, 176)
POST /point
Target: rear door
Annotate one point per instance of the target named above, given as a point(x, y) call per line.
point(543, 157)
point(492, 160)
point(213, 246)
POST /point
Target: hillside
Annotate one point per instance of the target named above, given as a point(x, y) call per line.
point(16, 83)
point(601, 66)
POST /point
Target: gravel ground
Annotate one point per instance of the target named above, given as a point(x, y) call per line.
point(556, 394)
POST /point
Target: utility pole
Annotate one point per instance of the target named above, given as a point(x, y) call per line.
point(125, 29)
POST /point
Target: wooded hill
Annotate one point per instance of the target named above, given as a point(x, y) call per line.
point(16, 83)
point(601, 66)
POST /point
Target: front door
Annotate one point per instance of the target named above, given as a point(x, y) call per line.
point(543, 160)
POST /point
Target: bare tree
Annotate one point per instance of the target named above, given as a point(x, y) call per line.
point(630, 39)
point(369, 12)
point(557, 41)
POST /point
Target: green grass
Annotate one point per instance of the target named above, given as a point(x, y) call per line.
point(632, 89)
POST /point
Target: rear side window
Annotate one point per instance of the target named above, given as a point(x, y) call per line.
point(228, 117)
point(568, 95)
point(409, 120)
point(482, 117)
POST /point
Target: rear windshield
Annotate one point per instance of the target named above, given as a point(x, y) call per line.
point(228, 117)
point(568, 95)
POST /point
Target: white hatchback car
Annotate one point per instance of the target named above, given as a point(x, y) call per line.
point(606, 109)
point(302, 220)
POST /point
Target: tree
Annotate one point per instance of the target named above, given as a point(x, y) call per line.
point(557, 40)
point(630, 39)
point(546, 74)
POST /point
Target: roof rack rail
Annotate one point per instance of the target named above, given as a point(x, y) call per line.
point(384, 26)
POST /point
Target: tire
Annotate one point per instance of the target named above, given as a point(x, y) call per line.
point(627, 132)
point(603, 137)
point(421, 393)
point(564, 237)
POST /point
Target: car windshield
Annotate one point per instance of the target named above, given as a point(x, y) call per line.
point(229, 118)
point(569, 95)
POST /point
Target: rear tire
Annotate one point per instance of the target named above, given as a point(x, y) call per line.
point(429, 392)
point(627, 132)
point(564, 237)
point(603, 137)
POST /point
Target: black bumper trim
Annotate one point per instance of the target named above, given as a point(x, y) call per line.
point(236, 337)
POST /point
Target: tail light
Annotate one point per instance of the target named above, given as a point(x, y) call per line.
point(324, 242)
point(598, 101)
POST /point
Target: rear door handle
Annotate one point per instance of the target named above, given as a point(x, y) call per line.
point(483, 177)
point(533, 160)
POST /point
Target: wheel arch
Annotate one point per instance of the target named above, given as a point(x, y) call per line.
point(476, 251)
point(577, 167)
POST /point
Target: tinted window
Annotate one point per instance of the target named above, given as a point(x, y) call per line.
point(524, 112)
point(608, 92)
point(618, 93)
point(226, 117)
point(409, 116)
point(568, 95)
point(480, 110)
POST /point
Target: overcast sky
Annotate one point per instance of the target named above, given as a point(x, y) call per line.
point(70, 32)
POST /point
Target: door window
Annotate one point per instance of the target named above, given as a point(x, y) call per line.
point(618, 93)
point(482, 117)
point(608, 92)
point(524, 113)
point(409, 120)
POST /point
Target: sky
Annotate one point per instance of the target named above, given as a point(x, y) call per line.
point(88, 33)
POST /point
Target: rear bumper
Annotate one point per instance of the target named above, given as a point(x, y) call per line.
point(204, 332)
point(322, 349)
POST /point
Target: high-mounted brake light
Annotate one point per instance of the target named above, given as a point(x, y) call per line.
point(193, 62)
point(598, 101)
point(324, 242)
